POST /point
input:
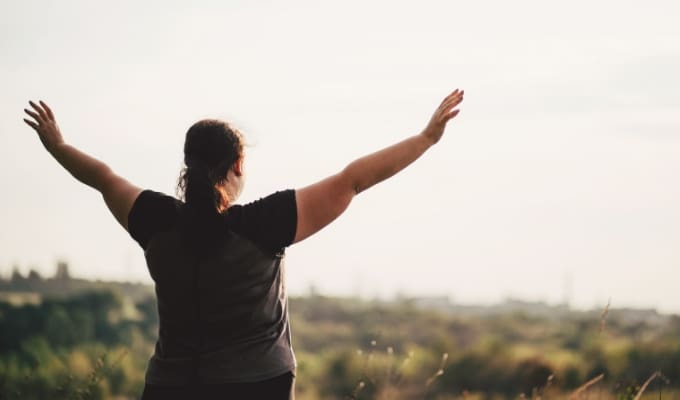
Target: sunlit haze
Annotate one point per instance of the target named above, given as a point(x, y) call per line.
point(558, 181)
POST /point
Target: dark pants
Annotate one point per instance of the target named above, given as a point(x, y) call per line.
point(278, 388)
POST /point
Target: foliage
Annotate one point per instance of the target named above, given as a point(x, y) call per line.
point(73, 348)
point(96, 345)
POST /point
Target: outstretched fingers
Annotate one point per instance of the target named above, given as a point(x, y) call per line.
point(43, 114)
point(451, 97)
point(453, 100)
point(31, 123)
point(451, 115)
point(35, 116)
point(446, 109)
point(48, 110)
point(452, 94)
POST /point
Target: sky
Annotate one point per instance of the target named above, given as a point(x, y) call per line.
point(557, 181)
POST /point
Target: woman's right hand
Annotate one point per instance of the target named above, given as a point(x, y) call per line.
point(443, 114)
point(45, 125)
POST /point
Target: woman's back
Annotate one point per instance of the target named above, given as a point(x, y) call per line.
point(223, 307)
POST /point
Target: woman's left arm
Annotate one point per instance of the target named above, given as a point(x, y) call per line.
point(118, 193)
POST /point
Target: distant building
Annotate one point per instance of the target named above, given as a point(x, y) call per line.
point(62, 273)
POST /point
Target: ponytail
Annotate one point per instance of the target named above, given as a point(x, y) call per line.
point(200, 195)
point(202, 199)
point(211, 148)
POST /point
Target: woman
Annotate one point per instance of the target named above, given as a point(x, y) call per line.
point(218, 266)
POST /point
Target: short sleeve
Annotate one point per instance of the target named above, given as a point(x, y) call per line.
point(151, 212)
point(270, 222)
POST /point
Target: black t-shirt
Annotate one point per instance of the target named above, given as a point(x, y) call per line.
point(223, 314)
point(270, 222)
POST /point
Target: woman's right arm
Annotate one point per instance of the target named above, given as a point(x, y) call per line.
point(118, 193)
point(321, 203)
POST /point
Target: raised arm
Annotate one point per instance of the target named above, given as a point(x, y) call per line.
point(319, 204)
point(118, 193)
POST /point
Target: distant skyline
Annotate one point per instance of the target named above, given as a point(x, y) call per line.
point(33, 287)
point(562, 165)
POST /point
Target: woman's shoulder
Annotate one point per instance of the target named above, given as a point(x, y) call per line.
point(151, 212)
point(154, 197)
point(150, 203)
point(270, 221)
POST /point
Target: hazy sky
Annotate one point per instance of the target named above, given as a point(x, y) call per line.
point(562, 166)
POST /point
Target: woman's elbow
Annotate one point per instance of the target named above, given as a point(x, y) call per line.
point(351, 180)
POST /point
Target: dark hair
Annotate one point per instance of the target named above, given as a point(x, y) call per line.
point(211, 148)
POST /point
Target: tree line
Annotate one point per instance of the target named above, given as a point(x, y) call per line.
point(95, 345)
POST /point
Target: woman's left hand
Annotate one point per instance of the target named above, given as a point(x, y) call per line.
point(447, 111)
point(45, 125)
